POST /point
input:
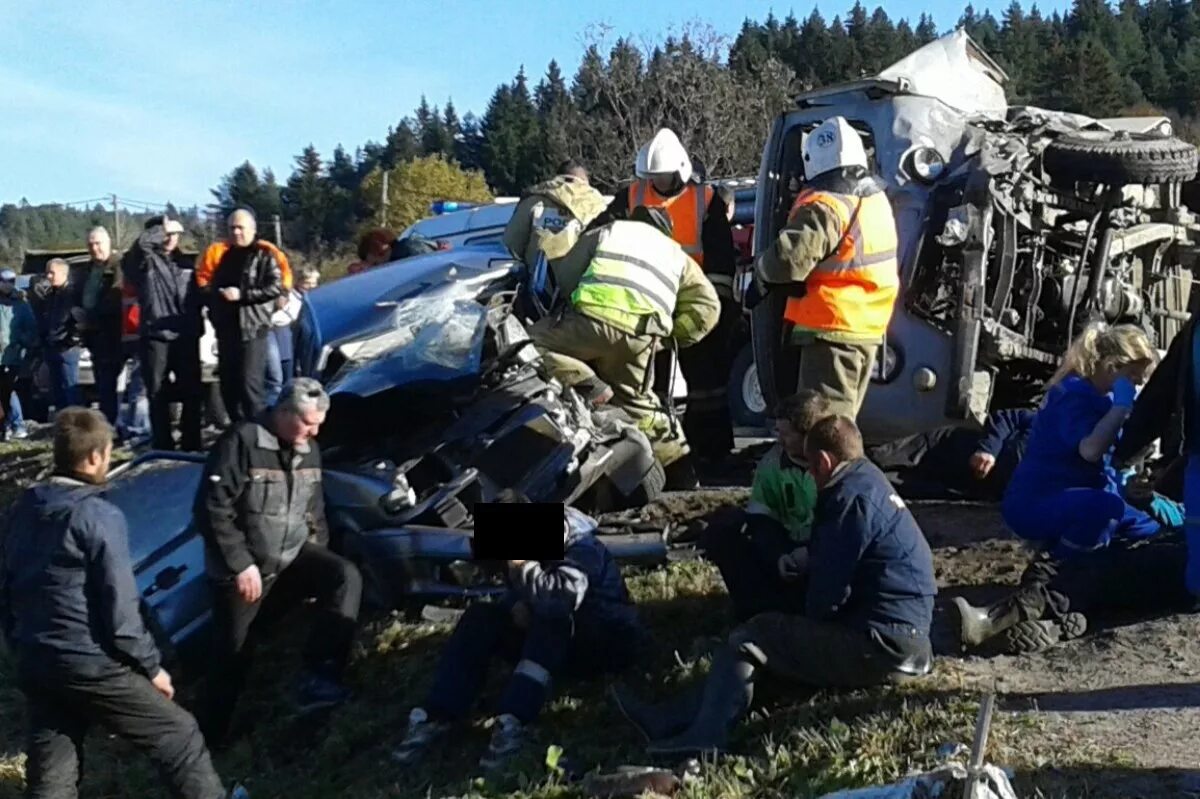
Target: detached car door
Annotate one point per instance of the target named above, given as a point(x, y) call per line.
point(156, 494)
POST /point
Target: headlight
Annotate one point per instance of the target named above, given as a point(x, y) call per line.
point(925, 164)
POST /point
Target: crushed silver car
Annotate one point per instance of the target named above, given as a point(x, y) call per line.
point(1016, 225)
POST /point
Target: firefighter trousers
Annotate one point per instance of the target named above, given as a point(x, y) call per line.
point(705, 366)
point(577, 348)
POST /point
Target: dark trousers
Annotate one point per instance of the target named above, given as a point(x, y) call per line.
point(8, 384)
point(242, 367)
point(106, 371)
point(63, 366)
point(747, 548)
point(181, 359)
point(824, 653)
point(63, 707)
point(317, 573)
point(705, 366)
point(1140, 576)
point(550, 647)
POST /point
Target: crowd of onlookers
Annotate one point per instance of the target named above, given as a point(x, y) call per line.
point(142, 314)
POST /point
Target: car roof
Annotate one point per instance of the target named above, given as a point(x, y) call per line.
point(458, 222)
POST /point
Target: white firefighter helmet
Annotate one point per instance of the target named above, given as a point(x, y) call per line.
point(663, 155)
point(832, 145)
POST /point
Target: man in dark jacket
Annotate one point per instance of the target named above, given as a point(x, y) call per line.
point(57, 307)
point(262, 515)
point(569, 616)
point(169, 330)
point(18, 340)
point(70, 611)
point(868, 609)
point(99, 314)
point(242, 278)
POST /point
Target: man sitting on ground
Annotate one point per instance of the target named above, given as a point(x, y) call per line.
point(868, 612)
point(571, 616)
point(762, 550)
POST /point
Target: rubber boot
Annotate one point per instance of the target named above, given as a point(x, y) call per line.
point(1027, 637)
point(728, 692)
point(656, 721)
point(977, 625)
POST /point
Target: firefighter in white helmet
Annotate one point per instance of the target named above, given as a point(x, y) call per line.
point(839, 244)
point(667, 179)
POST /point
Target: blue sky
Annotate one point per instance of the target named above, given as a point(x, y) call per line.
point(156, 101)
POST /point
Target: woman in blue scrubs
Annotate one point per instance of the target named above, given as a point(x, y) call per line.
point(1065, 495)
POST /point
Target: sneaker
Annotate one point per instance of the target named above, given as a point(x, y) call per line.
point(508, 737)
point(19, 433)
point(420, 734)
point(316, 692)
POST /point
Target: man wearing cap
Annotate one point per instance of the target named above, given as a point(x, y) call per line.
point(628, 289)
point(169, 330)
point(18, 338)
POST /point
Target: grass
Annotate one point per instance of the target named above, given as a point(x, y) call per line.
point(803, 746)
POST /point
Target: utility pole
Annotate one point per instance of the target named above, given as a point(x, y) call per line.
point(116, 223)
point(278, 231)
point(383, 203)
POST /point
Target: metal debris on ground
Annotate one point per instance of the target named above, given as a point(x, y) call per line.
point(971, 780)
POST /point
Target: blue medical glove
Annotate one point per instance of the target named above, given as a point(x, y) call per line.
point(1123, 392)
point(1166, 512)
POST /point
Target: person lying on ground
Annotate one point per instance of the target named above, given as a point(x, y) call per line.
point(1066, 499)
point(868, 611)
point(762, 551)
point(567, 617)
point(70, 613)
point(261, 513)
point(959, 460)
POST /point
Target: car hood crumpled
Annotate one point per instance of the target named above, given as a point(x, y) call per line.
point(436, 336)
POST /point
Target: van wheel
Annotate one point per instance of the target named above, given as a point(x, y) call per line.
point(747, 407)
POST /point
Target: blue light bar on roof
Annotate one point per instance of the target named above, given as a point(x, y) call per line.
point(439, 207)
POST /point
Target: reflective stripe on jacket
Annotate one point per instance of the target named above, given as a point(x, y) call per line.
point(853, 289)
point(686, 209)
point(633, 278)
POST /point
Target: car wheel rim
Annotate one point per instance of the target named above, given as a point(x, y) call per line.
point(751, 392)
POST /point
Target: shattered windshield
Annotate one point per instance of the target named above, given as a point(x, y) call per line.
point(437, 335)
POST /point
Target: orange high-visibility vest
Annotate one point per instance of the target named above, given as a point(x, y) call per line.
point(853, 289)
point(686, 209)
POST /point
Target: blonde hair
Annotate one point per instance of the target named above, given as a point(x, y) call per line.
point(1100, 347)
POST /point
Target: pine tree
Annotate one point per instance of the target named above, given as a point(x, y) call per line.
point(511, 132)
point(468, 148)
point(306, 201)
point(926, 29)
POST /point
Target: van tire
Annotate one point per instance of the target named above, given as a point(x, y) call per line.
point(747, 408)
point(1121, 160)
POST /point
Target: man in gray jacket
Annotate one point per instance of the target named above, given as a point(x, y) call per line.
point(262, 515)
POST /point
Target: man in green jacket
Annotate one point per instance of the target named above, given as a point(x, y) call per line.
point(628, 288)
